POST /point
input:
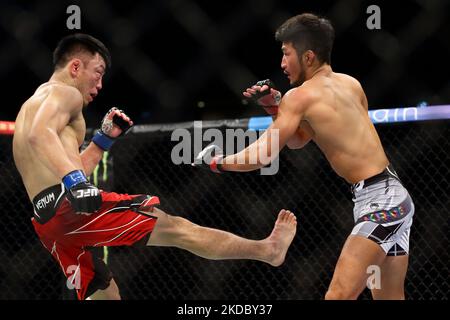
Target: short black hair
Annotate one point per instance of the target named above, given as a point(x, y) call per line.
point(308, 31)
point(75, 43)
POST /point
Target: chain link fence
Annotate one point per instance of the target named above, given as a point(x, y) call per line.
point(214, 67)
point(246, 204)
point(220, 49)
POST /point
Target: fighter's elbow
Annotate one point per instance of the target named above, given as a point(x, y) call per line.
point(298, 142)
point(33, 139)
point(296, 145)
point(36, 139)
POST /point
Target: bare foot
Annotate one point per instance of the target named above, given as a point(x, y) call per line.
point(281, 237)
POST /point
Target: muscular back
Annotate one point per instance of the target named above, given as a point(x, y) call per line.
point(49, 120)
point(338, 116)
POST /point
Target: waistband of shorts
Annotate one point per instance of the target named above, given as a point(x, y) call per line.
point(47, 202)
point(388, 172)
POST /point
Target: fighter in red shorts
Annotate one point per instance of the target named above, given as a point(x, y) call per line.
point(71, 216)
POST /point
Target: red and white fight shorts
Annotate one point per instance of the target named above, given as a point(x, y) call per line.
point(122, 220)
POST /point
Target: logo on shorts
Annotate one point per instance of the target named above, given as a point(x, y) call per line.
point(374, 206)
point(43, 202)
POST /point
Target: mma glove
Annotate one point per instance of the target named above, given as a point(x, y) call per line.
point(210, 159)
point(114, 125)
point(83, 196)
point(265, 96)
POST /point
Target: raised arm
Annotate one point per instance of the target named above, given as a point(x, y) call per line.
point(115, 124)
point(267, 147)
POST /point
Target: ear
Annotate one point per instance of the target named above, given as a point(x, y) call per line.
point(74, 67)
point(309, 57)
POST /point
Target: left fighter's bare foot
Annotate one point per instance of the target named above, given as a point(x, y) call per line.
point(281, 237)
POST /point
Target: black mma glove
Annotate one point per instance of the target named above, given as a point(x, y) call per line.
point(114, 125)
point(210, 159)
point(267, 97)
point(83, 196)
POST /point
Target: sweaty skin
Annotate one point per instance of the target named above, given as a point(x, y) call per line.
point(50, 129)
point(61, 125)
point(330, 109)
point(335, 112)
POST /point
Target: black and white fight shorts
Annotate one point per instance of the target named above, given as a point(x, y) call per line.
point(383, 212)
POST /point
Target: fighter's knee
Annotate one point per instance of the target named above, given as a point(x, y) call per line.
point(173, 227)
point(164, 220)
point(180, 226)
point(168, 222)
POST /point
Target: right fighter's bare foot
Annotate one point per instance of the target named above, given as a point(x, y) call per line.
point(281, 237)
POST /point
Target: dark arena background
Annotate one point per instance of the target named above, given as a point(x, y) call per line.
point(179, 61)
